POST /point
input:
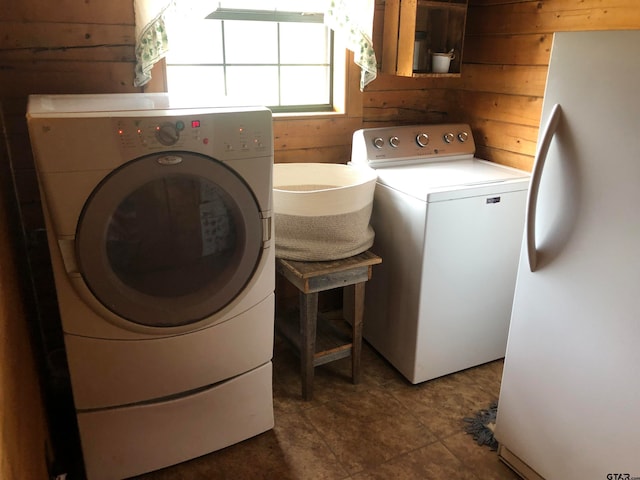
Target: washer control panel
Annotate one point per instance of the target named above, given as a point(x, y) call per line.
point(411, 143)
point(228, 135)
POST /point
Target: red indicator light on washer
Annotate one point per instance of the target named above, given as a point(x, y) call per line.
point(195, 123)
point(120, 131)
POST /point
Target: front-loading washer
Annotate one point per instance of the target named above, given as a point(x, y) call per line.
point(449, 229)
point(159, 224)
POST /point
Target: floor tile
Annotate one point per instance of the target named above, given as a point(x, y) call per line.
point(487, 376)
point(480, 459)
point(443, 403)
point(293, 450)
point(432, 462)
point(368, 429)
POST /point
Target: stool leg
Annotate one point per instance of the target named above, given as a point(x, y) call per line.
point(356, 347)
point(308, 319)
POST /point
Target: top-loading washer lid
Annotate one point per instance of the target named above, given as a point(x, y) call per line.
point(426, 181)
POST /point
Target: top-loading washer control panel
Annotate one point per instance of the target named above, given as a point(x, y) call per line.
point(378, 147)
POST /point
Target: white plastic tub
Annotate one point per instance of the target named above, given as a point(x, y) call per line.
point(322, 210)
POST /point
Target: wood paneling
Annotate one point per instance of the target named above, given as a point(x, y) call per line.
point(24, 436)
point(505, 79)
point(314, 133)
point(73, 11)
point(67, 42)
point(42, 36)
point(508, 43)
point(25, 78)
point(513, 109)
point(403, 107)
point(524, 49)
point(511, 137)
point(535, 16)
point(315, 140)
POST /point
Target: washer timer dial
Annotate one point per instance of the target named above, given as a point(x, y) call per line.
point(449, 137)
point(422, 139)
point(378, 142)
point(168, 134)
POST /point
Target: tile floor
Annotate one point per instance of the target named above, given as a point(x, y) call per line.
point(383, 428)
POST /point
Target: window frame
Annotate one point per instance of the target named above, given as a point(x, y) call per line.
point(336, 75)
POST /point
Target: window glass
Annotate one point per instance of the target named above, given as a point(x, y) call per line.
point(253, 85)
point(304, 43)
point(284, 64)
point(282, 5)
point(304, 85)
point(196, 42)
point(181, 79)
point(251, 42)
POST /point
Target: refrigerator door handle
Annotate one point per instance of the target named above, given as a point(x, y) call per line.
point(536, 175)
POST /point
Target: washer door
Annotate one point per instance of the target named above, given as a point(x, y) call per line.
point(169, 239)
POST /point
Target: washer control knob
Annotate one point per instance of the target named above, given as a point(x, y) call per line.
point(378, 142)
point(422, 139)
point(463, 137)
point(449, 137)
point(394, 141)
point(167, 134)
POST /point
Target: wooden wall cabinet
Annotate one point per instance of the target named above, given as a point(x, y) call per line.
point(415, 29)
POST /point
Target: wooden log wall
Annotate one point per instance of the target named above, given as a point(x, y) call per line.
point(506, 58)
point(24, 437)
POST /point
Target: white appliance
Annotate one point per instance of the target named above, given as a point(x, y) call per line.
point(568, 406)
point(448, 227)
point(159, 226)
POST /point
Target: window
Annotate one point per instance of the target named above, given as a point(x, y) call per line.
point(281, 57)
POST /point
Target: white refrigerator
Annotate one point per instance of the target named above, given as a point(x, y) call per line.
point(569, 406)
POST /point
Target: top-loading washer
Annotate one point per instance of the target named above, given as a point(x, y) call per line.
point(449, 229)
point(159, 226)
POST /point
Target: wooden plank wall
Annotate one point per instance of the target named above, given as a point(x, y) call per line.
point(506, 57)
point(24, 436)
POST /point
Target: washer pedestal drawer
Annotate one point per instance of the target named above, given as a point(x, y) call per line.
point(126, 441)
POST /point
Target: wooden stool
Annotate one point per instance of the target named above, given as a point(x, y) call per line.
point(313, 277)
